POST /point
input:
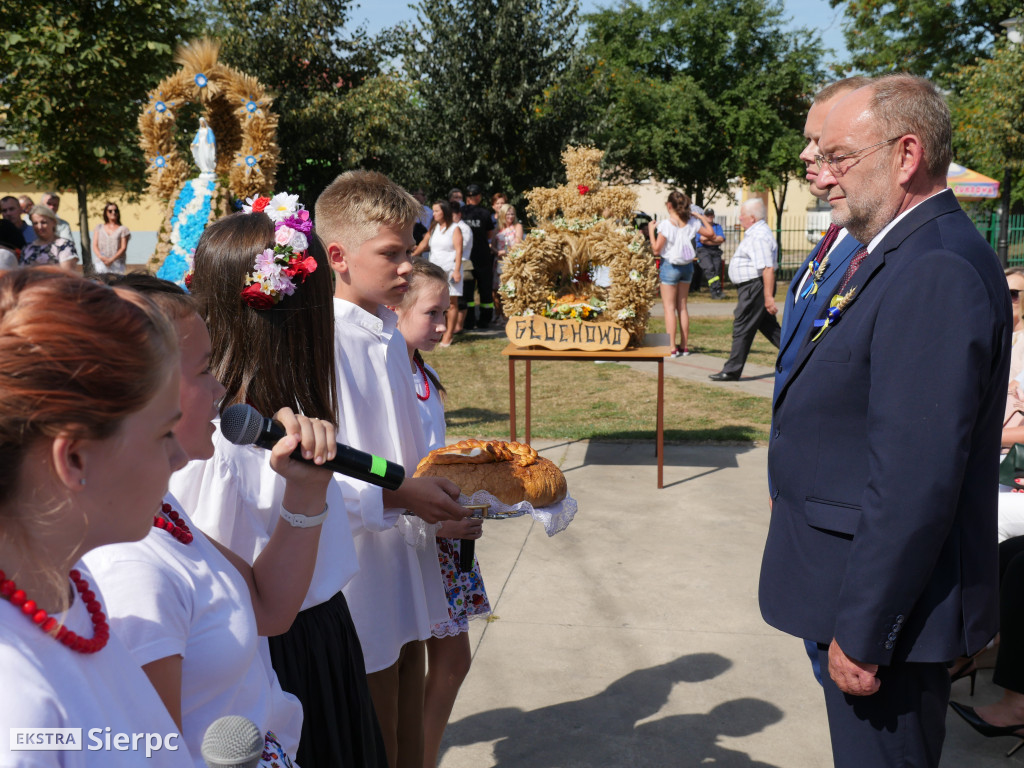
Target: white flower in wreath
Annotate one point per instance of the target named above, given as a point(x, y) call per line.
point(528, 312)
point(634, 275)
point(281, 206)
point(509, 289)
point(625, 314)
point(635, 247)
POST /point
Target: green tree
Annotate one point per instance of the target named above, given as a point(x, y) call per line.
point(699, 92)
point(482, 68)
point(381, 115)
point(301, 52)
point(988, 114)
point(75, 75)
point(932, 38)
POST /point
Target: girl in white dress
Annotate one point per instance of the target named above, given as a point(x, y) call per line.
point(88, 402)
point(445, 242)
point(421, 321)
point(190, 610)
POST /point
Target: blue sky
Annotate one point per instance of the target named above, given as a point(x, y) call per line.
point(813, 14)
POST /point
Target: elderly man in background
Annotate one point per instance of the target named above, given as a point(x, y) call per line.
point(885, 437)
point(52, 201)
point(752, 271)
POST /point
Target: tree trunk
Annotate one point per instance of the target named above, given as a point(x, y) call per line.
point(779, 201)
point(83, 227)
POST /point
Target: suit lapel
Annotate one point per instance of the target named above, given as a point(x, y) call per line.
point(799, 307)
point(937, 205)
point(836, 260)
point(868, 269)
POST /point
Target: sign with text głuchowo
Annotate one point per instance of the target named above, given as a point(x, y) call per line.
point(538, 331)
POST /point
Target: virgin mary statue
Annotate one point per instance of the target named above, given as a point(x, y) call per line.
point(204, 150)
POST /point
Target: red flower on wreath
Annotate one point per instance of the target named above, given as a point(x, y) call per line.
point(583, 188)
point(301, 267)
point(254, 296)
point(259, 204)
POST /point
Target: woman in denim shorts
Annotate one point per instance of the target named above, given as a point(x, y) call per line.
point(672, 239)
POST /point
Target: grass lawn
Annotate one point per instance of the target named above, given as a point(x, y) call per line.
point(713, 336)
point(582, 400)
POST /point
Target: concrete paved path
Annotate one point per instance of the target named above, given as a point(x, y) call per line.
point(634, 639)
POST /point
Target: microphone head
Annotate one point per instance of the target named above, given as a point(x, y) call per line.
point(241, 424)
point(232, 742)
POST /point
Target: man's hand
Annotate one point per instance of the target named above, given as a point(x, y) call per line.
point(851, 676)
point(769, 304)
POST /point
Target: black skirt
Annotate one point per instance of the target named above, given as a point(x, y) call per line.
point(320, 662)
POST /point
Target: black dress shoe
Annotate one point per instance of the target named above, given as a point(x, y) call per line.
point(723, 376)
point(984, 727)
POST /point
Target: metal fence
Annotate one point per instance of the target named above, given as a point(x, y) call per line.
point(799, 236)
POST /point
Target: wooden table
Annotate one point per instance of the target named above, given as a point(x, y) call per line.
point(655, 349)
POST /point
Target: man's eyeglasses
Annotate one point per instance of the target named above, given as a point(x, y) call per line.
point(832, 161)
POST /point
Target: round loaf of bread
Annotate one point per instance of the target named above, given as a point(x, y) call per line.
point(508, 471)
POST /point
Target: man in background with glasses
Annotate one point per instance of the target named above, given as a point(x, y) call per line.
point(885, 436)
point(815, 281)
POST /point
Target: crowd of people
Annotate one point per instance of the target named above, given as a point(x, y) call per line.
point(222, 579)
point(32, 235)
point(219, 579)
point(470, 244)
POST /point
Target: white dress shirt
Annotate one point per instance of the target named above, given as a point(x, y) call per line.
point(755, 253)
point(397, 595)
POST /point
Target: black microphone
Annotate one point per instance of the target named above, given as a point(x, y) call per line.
point(467, 549)
point(232, 742)
point(243, 425)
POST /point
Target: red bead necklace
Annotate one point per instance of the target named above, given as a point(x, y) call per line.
point(426, 381)
point(43, 620)
point(173, 525)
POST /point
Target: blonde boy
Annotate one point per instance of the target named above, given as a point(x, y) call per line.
point(365, 222)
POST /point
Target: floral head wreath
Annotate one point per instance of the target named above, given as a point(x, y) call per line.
point(276, 269)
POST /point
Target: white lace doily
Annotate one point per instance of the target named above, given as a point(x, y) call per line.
point(554, 518)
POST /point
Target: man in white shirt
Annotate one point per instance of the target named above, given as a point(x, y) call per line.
point(52, 201)
point(752, 271)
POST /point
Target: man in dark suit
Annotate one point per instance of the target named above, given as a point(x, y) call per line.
point(816, 279)
point(885, 437)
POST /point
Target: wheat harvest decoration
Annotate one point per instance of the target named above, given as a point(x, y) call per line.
point(236, 110)
point(551, 273)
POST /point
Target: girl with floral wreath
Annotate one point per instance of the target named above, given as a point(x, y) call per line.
point(264, 288)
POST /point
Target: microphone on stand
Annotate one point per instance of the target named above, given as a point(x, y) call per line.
point(232, 742)
point(242, 424)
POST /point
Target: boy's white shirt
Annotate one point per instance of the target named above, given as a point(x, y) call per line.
point(397, 595)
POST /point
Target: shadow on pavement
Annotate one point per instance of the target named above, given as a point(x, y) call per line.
point(603, 730)
point(642, 453)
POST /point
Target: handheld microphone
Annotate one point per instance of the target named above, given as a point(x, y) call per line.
point(467, 551)
point(242, 424)
point(232, 742)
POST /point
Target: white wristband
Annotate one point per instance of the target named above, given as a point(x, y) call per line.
point(303, 521)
